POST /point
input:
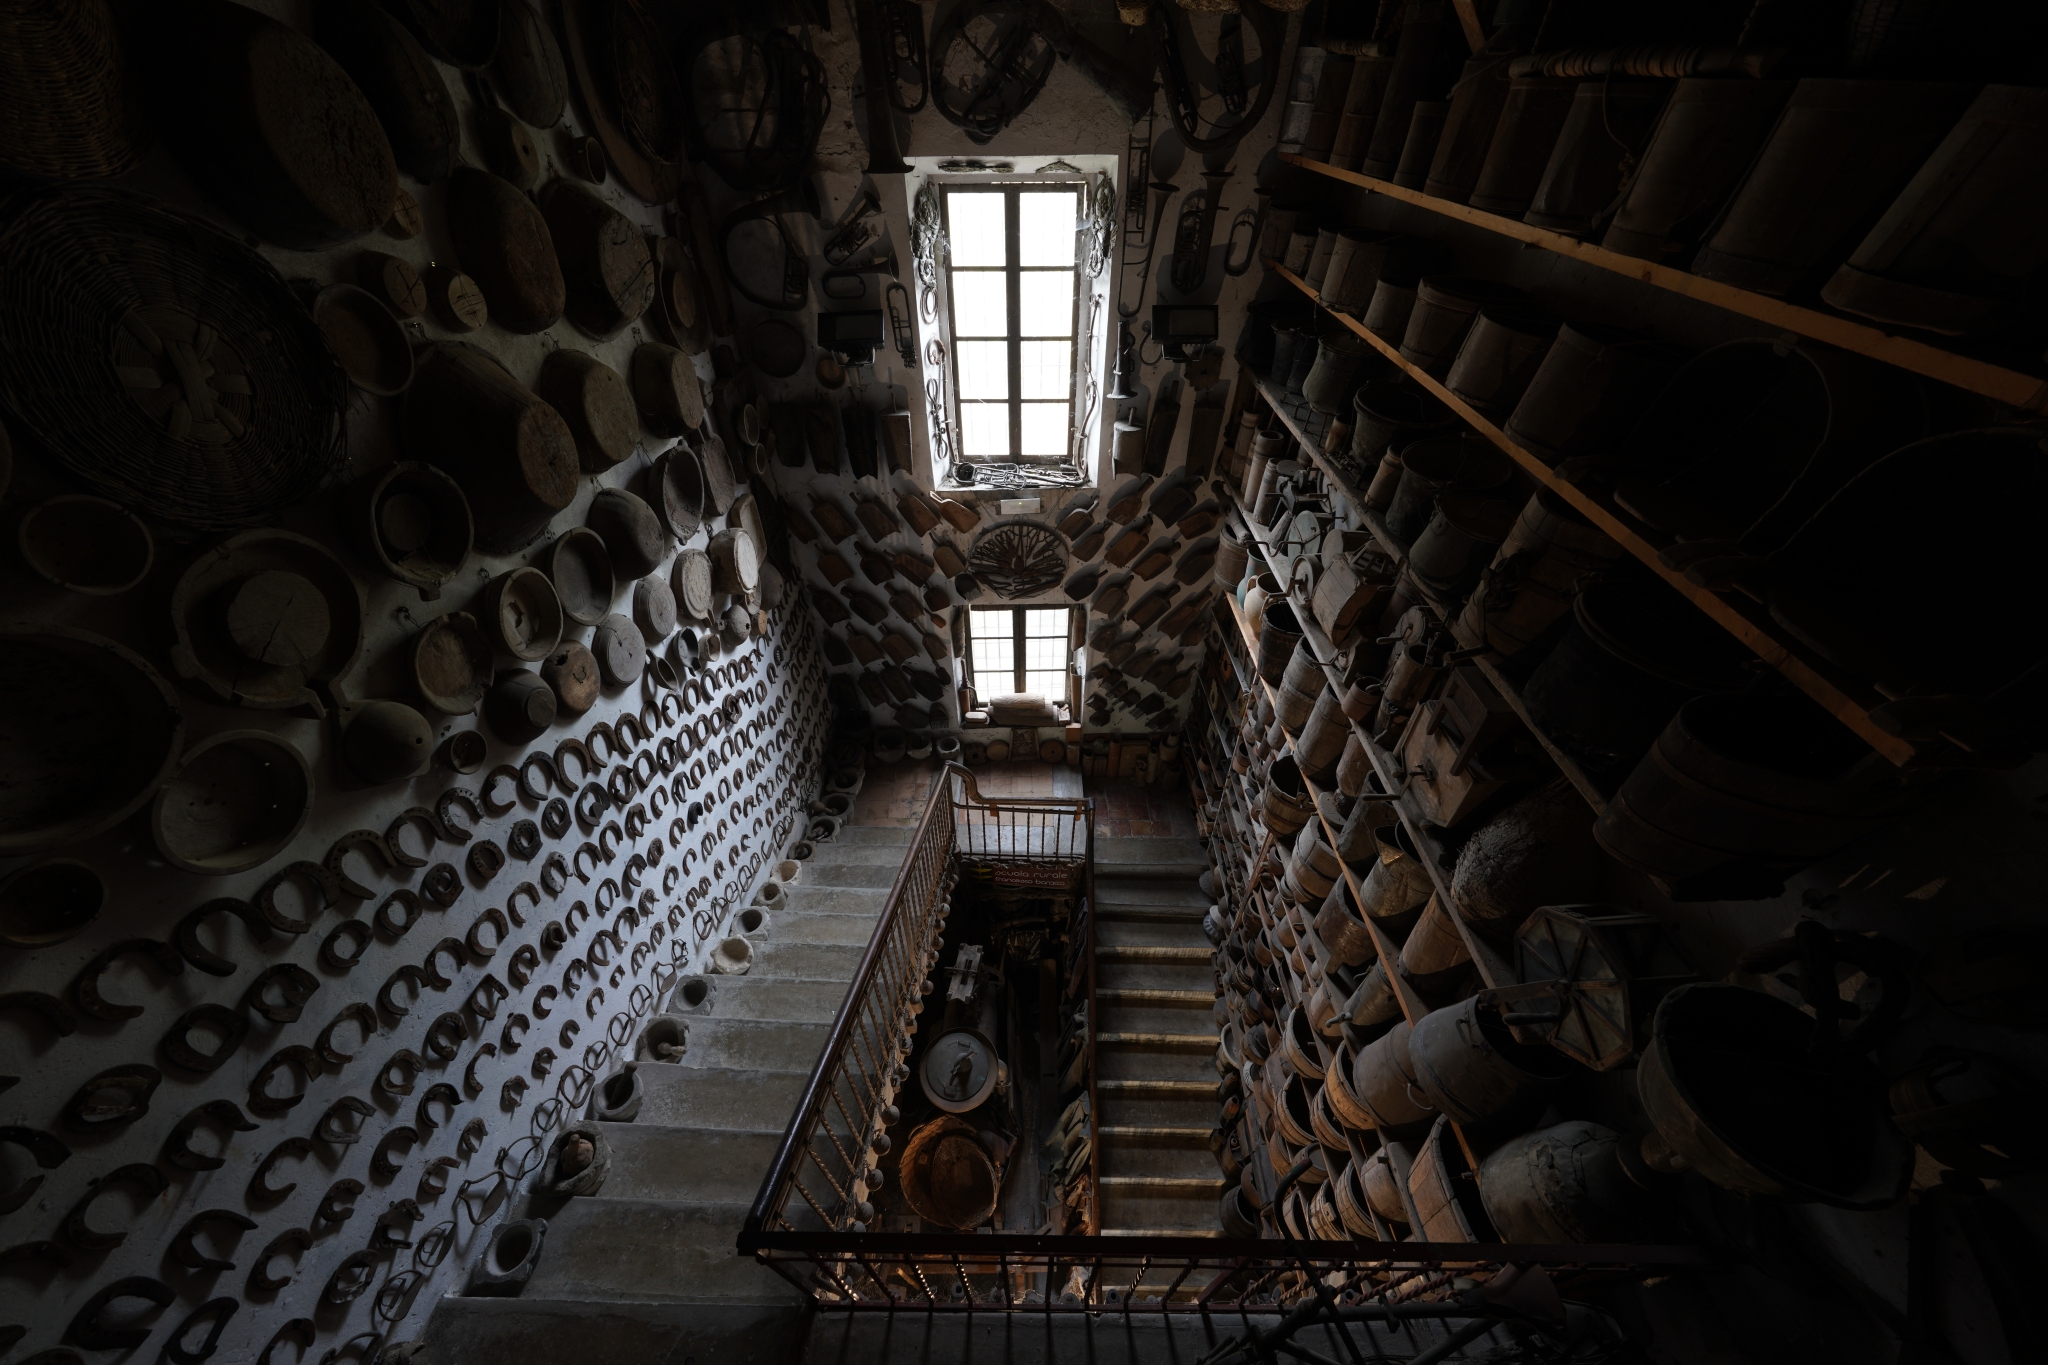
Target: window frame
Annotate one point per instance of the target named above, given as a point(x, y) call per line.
point(1020, 637)
point(1013, 272)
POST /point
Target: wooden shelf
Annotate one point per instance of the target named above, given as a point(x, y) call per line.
point(2020, 390)
point(1376, 526)
point(1847, 699)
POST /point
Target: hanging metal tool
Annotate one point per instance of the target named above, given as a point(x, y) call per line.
point(1161, 191)
point(885, 155)
point(899, 322)
point(857, 232)
point(1138, 171)
point(1191, 248)
point(1184, 97)
point(796, 270)
point(903, 53)
point(1233, 265)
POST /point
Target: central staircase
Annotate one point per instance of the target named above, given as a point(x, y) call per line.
point(644, 1270)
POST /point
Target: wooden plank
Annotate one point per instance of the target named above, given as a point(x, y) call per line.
point(2024, 391)
point(1848, 700)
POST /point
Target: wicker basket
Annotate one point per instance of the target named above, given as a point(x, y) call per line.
point(63, 112)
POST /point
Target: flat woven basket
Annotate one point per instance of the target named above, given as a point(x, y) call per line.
point(162, 361)
point(63, 113)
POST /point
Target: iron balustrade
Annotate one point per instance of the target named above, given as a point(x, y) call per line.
point(804, 1221)
point(824, 1169)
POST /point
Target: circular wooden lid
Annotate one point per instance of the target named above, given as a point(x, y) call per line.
point(620, 649)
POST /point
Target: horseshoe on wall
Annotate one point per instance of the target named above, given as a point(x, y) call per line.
point(48, 1151)
point(472, 1140)
point(432, 974)
point(48, 1008)
point(352, 1278)
point(486, 860)
point(370, 844)
point(439, 1092)
point(537, 789)
point(554, 874)
point(405, 1059)
point(540, 997)
point(352, 932)
point(442, 885)
point(483, 1002)
point(495, 807)
point(334, 1128)
point(496, 919)
point(470, 1084)
point(185, 1250)
point(423, 819)
point(293, 1242)
point(411, 976)
point(177, 1146)
point(388, 926)
point(294, 983)
point(453, 797)
point(133, 1082)
point(381, 1162)
point(332, 1208)
point(306, 1067)
point(355, 1012)
point(260, 1189)
point(445, 1037)
point(216, 1313)
point(512, 901)
point(177, 1045)
point(554, 818)
point(325, 893)
point(571, 747)
point(612, 750)
point(434, 1180)
point(520, 967)
point(90, 1333)
point(141, 1175)
point(85, 990)
point(185, 937)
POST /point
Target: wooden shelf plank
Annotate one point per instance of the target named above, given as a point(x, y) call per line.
point(2020, 390)
point(1376, 526)
point(1848, 700)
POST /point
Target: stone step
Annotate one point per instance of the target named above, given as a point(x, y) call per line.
point(1170, 976)
point(751, 1044)
point(838, 854)
point(1165, 892)
point(1153, 998)
point(651, 1161)
point(1106, 1338)
point(1162, 912)
point(1157, 1042)
point(778, 957)
point(651, 1250)
point(850, 932)
point(732, 1101)
point(1190, 1186)
point(1176, 1160)
point(861, 876)
point(865, 836)
point(1177, 953)
point(530, 1330)
point(1140, 1088)
point(1181, 1208)
point(1119, 1063)
point(1140, 933)
point(860, 902)
point(1158, 1110)
point(1117, 856)
point(1118, 1017)
point(761, 997)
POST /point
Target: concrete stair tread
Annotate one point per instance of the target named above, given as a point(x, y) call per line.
point(1145, 1086)
point(1146, 995)
point(1116, 952)
point(751, 1044)
point(1204, 1041)
point(1193, 1184)
point(711, 1097)
point(659, 1161)
point(769, 998)
point(637, 1250)
point(863, 835)
point(777, 956)
point(1149, 932)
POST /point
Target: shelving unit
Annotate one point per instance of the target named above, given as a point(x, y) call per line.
point(2027, 392)
point(1310, 437)
point(1848, 699)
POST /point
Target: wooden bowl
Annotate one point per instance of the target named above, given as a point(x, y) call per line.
point(451, 663)
point(523, 613)
point(367, 341)
point(237, 800)
point(86, 544)
point(581, 570)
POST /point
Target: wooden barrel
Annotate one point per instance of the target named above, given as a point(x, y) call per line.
point(607, 270)
point(1434, 950)
point(1325, 739)
point(1840, 151)
point(1499, 357)
point(1301, 684)
point(1458, 545)
point(1426, 61)
point(1383, 1080)
point(1445, 309)
point(1477, 103)
point(1354, 765)
point(1551, 553)
point(1285, 804)
point(1279, 634)
point(1705, 140)
point(1605, 130)
point(270, 125)
point(735, 562)
point(510, 452)
point(1593, 384)
point(1530, 123)
point(1472, 1069)
point(1341, 930)
point(1740, 790)
point(400, 81)
point(596, 402)
point(1312, 866)
point(1397, 886)
point(505, 246)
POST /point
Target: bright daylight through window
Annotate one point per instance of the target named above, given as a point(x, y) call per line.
point(1014, 283)
point(1021, 649)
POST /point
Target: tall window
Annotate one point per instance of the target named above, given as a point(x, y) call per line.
point(1013, 286)
point(1021, 649)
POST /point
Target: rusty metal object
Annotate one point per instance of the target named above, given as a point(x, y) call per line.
point(948, 1176)
point(512, 454)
